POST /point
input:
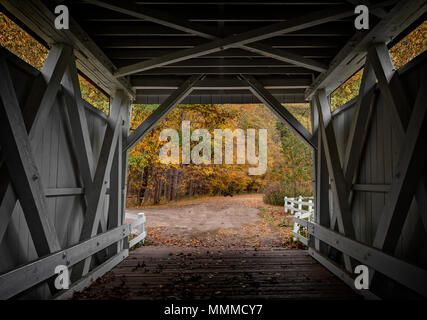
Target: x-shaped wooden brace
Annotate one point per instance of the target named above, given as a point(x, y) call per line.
point(359, 129)
point(339, 186)
point(20, 162)
point(407, 180)
point(412, 127)
point(21, 135)
point(96, 195)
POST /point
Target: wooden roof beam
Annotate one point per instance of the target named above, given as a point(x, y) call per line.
point(229, 83)
point(379, 12)
point(219, 44)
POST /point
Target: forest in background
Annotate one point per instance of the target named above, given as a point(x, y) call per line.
point(289, 160)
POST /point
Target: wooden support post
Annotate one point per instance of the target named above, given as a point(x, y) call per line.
point(321, 215)
point(116, 193)
point(125, 133)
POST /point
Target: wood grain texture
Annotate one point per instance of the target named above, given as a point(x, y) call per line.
point(157, 273)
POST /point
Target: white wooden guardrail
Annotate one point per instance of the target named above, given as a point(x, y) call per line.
point(300, 209)
point(410, 275)
point(137, 227)
point(32, 273)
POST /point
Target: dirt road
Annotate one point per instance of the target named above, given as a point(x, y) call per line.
point(224, 222)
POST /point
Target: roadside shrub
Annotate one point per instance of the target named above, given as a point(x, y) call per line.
point(274, 194)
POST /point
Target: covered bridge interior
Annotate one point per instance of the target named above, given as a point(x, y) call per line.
point(64, 163)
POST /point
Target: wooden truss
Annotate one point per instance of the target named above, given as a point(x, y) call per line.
point(103, 235)
point(407, 183)
point(218, 44)
point(21, 184)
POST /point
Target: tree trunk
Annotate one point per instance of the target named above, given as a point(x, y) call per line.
point(175, 183)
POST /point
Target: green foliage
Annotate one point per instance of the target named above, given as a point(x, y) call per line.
point(297, 157)
point(275, 193)
point(147, 173)
point(295, 173)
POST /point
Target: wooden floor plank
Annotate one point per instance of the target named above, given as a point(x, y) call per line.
point(157, 273)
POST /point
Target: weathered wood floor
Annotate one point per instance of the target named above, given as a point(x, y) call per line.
point(176, 273)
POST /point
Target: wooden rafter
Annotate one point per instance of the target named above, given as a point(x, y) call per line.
point(228, 83)
point(207, 33)
point(245, 38)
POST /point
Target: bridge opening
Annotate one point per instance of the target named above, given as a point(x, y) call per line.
point(64, 163)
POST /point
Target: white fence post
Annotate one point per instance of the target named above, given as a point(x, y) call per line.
point(286, 203)
point(292, 200)
point(137, 228)
point(296, 207)
point(141, 229)
point(311, 209)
